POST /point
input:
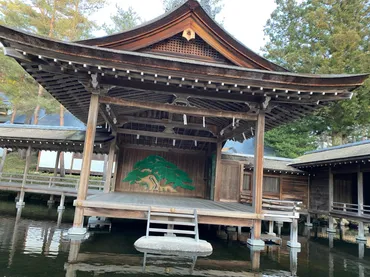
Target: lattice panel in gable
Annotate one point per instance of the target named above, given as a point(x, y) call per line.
point(179, 46)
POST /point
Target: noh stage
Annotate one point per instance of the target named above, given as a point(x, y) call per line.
point(169, 93)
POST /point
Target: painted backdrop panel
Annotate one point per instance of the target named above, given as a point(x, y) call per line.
point(192, 164)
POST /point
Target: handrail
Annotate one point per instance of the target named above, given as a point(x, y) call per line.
point(350, 208)
point(50, 181)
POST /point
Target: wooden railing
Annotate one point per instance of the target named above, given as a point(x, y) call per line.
point(49, 181)
point(281, 208)
point(350, 208)
point(275, 207)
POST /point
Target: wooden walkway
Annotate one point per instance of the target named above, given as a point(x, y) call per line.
point(136, 205)
point(42, 189)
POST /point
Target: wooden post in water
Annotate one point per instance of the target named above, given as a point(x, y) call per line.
point(86, 164)
point(331, 197)
point(108, 175)
point(20, 202)
point(360, 200)
point(255, 239)
point(218, 173)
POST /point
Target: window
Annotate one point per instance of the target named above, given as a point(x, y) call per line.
point(271, 184)
point(247, 182)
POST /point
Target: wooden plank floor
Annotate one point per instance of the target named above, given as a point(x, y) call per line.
point(44, 189)
point(166, 203)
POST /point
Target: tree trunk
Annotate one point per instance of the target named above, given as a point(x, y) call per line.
point(2, 163)
point(61, 158)
point(5, 153)
point(337, 138)
point(37, 109)
point(14, 113)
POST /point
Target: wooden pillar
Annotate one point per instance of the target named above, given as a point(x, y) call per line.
point(86, 163)
point(294, 234)
point(108, 176)
point(115, 170)
point(105, 166)
point(20, 202)
point(61, 204)
point(218, 173)
point(331, 189)
point(56, 164)
point(271, 228)
point(258, 176)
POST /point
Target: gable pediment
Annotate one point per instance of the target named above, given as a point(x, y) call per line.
point(163, 36)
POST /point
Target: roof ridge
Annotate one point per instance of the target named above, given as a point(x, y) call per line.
point(338, 147)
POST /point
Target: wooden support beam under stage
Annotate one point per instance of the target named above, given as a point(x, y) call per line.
point(177, 109)
point(171, 124)
point(165, 135)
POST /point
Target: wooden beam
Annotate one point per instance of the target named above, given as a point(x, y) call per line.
point(162, 149)
point(258, 172)
point(218, 173)
point(177, 109)
point(172, 124)
point(360, 190)
point(108, 176)
point(195, 92)
point(86, 158)
point(165, 135)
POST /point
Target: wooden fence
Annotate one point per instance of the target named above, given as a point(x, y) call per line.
point(48, 181)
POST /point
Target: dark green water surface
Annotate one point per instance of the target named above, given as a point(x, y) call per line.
point(33, 243)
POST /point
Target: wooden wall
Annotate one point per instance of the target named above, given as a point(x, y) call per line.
point(292, 187)
point(319, 191)
point(193, 164)
point(231, 181)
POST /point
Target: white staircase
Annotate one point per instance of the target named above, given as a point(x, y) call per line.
point(173, 223)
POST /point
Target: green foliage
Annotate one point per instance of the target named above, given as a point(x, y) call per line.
point(292, 140)
point(212, 7)
point(314, 36)
point(61, 19)
point(121, 21)
point(161, 169)
point(14, 164)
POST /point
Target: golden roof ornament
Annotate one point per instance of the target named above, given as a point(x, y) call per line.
point(189, 34)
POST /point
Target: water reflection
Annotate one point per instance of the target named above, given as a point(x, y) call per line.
point(31, 247)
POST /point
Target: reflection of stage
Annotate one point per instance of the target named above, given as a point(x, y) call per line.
point(155, 263)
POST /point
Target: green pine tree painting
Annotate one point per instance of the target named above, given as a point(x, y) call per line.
point(158, 174)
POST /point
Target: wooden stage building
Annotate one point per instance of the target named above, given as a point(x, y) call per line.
point(172, 91)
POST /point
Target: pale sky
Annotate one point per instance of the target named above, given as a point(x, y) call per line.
point(244, 19)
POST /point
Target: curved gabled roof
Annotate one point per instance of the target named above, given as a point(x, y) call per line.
point(189, 15)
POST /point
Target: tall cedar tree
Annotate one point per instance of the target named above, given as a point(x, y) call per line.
point(212, 7)
point(122, 20)
point(315, 36)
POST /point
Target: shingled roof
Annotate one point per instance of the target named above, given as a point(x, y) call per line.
point(279, 165)
point(348, 152)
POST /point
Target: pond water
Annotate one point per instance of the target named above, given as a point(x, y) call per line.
point(33, 243)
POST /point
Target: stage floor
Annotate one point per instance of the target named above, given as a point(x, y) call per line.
point(135, 205)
